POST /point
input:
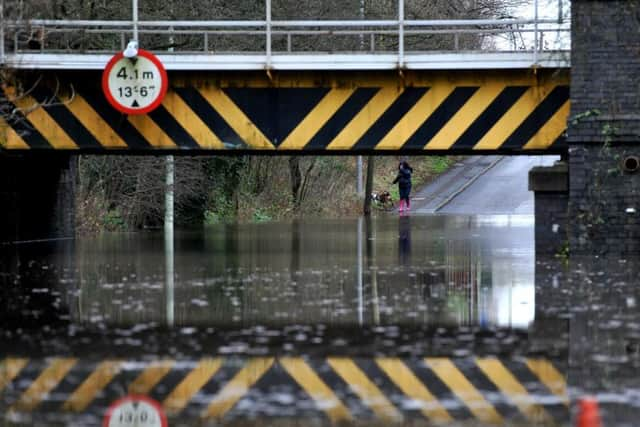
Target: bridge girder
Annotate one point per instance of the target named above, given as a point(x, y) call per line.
point(323, 112)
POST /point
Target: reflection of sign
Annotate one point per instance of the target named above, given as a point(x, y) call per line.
point(135, 411)
point(134, 85)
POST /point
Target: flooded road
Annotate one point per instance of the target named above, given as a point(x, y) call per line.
point(412, 319)
point(409, 270)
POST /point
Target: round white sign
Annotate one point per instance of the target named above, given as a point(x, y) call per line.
point(135, 85)
point(135, 411)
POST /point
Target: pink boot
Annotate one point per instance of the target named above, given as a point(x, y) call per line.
point(408, 205)
point(401, 208)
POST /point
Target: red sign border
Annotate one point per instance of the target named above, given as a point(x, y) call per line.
point(130, 397)
point(122, 108)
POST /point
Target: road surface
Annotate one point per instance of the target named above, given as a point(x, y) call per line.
point(482, 185)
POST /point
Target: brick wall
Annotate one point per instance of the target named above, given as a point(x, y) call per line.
point(550, 186)
point(604, 127)
point(551, 223)
point(605, 65)
point(604, 206)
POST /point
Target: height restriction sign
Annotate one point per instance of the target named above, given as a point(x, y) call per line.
point(135, 411)
point(134, 85)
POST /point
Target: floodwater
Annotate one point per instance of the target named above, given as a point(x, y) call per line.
point(395, 320)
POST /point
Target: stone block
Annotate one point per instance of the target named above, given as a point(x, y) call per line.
point(549, 178)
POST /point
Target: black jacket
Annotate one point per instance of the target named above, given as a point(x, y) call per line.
point(404, 177)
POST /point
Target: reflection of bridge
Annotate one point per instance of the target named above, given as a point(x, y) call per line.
point(339, 389)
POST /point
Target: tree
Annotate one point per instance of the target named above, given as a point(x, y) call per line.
point(369, 186)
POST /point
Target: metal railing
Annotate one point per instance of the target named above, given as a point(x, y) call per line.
point(270, 37)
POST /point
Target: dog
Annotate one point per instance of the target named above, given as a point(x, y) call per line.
point(382, 197)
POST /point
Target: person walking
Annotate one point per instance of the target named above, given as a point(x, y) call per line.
point(404, 184)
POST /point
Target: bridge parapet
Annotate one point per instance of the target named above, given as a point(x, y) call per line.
point(292, 44)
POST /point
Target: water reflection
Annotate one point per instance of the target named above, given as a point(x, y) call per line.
point(404, 240)
point(390, 319)
point(447, 271)
point(169, 275)
point(320, 302)
point(36, 285)
point(600, 306)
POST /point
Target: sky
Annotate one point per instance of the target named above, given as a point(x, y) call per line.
point(547, 9)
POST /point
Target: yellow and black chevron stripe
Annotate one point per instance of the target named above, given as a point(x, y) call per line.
point(453, 112)
point(337, 389)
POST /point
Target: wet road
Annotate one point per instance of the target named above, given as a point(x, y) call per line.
point(479, 185)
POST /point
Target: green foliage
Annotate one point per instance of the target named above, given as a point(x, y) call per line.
point(593, 216)
point(211, 217)
point(113, 220)
point(221, 212)
point(261, 215)
point(438, 164)
point(608, 131)
point(563, 253)
point(584, 115)
point(395, 193)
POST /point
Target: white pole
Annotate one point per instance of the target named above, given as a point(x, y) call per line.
point(2, 32)
point(360, 274)
point(375, 302)
point(400, 34)
point(359, 189)
point(268, 41)
point(168, 201)
point(134, 6)
point(362, 18)
point(168, 239)
point(535, 33)
point(560, 17)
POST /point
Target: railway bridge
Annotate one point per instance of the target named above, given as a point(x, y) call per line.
point(379, 93)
